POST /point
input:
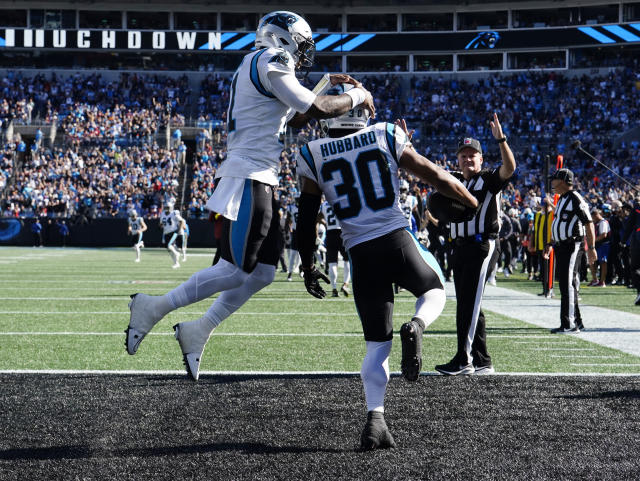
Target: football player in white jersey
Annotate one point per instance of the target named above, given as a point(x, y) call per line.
point(358, 174)
point(409, 205)
point(172, 225)
point(136, 227)
point(335, 246)
point(291, 223)
point(265, 97)
point(185, 238)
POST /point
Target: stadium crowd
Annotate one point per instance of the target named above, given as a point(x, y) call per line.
point(109, 157)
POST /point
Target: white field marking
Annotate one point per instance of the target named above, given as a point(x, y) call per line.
point(554, 340)
point(563, 349)
point(237, 334)
point(591, 356)
point(626, 364)
point(125, 297)
point(181, 373)
point(239, 313)
point(605, 327)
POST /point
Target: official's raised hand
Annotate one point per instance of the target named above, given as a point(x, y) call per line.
point(496, 128)
point(312, 276)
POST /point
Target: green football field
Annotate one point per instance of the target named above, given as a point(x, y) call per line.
point(66, 309)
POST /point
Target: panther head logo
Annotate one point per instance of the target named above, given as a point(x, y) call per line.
point(484, 40)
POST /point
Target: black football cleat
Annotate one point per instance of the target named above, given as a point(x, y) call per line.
point(375, 434)
point(411, 337)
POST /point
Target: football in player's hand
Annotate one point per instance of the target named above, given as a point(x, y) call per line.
point(446, 209)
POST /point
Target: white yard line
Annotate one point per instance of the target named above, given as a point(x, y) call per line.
point(98, 372)
point(607, 327)
point(199, 313)
point(260, 334)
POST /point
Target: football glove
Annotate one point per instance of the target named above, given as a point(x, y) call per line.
point(311, 278)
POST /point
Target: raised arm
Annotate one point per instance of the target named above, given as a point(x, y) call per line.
point(508, 166)
point(443, 181)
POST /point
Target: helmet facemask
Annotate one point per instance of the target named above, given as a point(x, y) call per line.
point(355, 119)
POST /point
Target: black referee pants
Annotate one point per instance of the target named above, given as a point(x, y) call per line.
point(471, 263)
point(568, 281)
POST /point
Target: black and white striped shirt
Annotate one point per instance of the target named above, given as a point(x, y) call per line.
point(570, 217)
point(486, 187)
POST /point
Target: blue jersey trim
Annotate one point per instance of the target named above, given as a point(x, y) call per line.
point(240, 228)
point(390, 135)
point(305, 153)
point(255, 77)
point(427, 256)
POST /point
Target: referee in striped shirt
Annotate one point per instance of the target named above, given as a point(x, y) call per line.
point(571, 223)
point(473, 252)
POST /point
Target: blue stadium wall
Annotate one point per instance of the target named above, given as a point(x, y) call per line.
point(98, 233)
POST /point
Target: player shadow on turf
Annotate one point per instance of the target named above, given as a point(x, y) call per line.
point(42, 453)
point(627, 394)
point(246, 448)
point(86, 452)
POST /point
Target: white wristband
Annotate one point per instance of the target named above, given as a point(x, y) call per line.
point(357, 96)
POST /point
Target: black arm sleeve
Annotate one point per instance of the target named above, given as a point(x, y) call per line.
point(308, 207)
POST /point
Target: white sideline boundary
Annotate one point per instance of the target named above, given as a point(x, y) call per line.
point(288, 373)
point(606, 327)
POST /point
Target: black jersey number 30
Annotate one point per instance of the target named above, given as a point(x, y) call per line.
point(364, 162)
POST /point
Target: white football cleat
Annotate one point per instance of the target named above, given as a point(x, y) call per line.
point(141, 320)
point(137, 260)
point(176, 265)
point(192, 346)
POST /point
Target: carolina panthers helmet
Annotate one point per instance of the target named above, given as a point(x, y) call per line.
point(168, 206)
point(133, 214)
point(355, 119)
point(289, 31)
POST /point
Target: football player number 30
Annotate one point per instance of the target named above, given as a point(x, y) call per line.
point(364, 163)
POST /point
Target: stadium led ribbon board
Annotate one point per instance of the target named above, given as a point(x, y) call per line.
point(171, 40)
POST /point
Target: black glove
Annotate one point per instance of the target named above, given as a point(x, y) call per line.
point(311, 278)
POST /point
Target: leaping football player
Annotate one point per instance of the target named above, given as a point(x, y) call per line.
point(265, 97)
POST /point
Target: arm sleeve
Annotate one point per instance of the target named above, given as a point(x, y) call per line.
point(494, 182)
point(308, 207)
point(582, 209)
point(305, 165)
point(285, 86)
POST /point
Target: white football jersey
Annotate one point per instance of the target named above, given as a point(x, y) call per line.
point(358, 174)
point(329, 217)
point(407, 206)
point(136, 225)
point(256, 118)
point(170, 222)
point(293, 214)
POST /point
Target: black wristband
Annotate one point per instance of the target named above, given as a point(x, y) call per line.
point(503, 139)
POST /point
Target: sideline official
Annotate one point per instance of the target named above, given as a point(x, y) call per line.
point(571, 223)
point(474, 245)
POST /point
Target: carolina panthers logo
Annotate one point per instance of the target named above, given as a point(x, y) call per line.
point(280, 58)
point(484, 40)
point(282, 20)
point(9, 228)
